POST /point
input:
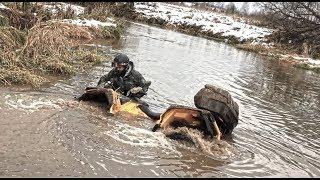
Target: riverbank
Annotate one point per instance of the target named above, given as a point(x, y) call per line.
point(28, 59)
point(234, 30)
point(50, 42)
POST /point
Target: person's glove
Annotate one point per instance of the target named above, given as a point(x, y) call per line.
point(136, 90)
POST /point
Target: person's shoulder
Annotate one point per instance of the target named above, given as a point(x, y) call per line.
point(112, 71)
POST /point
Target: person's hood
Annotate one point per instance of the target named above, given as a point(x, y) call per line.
point(129, 68)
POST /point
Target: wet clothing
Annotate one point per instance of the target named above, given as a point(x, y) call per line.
point(124, 81)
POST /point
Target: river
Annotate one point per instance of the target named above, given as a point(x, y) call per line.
point(46, 133)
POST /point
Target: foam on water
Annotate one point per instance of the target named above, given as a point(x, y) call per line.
point(29, 103)
point(139, 137)
point(214, 148)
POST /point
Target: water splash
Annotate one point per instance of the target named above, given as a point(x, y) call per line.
point(214, 148)
point(30, 103)
point(139, 137)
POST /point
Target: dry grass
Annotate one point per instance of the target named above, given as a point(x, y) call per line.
point(45, 50)
point(112, 32)
point(97, 10)
point(102, 11)
point(56, 36)
point(18, 19)
point(16, 75)
point(69, 13)
point(47, 47)
point(4, 21)
point(11, 37)
point(10, 40)
point(254, 48)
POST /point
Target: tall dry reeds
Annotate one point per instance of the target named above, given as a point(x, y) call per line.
point(11, 37)
point(10, 40)
point(53, 38)
point(16, 75)
point(18, 19)
point(47, 47)
point(97, 10)
point(3, 21)
point(33, 47)
point(11, 72)
point(45, 50)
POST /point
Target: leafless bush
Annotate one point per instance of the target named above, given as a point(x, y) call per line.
point(122, 9)
point(231, 8)
point(297, 25)
point(96, 10)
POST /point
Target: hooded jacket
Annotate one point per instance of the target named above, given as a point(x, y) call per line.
point(122, 82)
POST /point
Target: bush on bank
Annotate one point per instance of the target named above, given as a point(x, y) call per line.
point(33, 47)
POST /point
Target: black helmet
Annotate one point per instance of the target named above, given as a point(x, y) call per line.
point(121, 59)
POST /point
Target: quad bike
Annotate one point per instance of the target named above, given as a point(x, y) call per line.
point(216, 113)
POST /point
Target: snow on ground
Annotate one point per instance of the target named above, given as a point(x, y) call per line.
point(211, 21)
point(91, 22)
point(189, 4)
point(54, 6)
point(247, 7)
point(3, 6)
point(313, 61)
point(309, 61)
point(215, 22)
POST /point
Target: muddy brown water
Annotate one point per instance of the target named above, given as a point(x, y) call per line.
point(47, 133)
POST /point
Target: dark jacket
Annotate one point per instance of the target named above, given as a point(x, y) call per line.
point(123, 82)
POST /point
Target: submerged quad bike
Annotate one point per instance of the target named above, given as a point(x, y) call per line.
point(215, 114)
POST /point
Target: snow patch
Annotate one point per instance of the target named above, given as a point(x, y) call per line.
point(86, 22)
point(3, 6)
point(314, 61)
point(188, 4)
point(308, 60)
point(210, 21)
point(214, 22)
point(251, 7)
point(53, 7)
point(30, 104)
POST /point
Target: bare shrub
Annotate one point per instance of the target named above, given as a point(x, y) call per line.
point(123, 9)
point(297, 25)
point(231, 8)
point(97, 10)
point(103, 10)
point(69, 13)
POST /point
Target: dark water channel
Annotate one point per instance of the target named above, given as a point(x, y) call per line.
point(47, 133)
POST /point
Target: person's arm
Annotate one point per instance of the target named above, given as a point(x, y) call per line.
point(104, 79)
point(141, 87)
point(143, 83)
